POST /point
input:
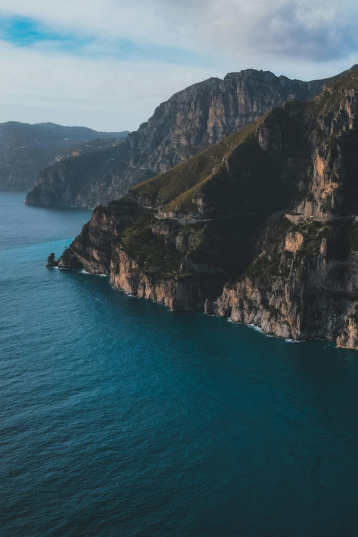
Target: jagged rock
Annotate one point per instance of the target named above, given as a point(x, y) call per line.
point(51, 261)
point(261, 227)
point(181, 127)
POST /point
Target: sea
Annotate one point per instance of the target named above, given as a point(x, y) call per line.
point(119, 418)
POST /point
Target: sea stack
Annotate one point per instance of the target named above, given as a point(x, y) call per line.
point(51, 261)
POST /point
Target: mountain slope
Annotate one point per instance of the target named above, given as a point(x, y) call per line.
point(303, 280)
point(181, 127)
point(272, 208)
point(26, 149)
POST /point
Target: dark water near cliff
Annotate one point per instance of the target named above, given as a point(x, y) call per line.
point(119, 418)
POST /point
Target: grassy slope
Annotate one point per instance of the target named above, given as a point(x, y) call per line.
point(241, 182)
point(173, 190)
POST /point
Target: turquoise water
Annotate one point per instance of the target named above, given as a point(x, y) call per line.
point(120, 418)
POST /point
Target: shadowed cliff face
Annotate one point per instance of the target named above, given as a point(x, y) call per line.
point(26, 149)
point(271, 209)
point(303, 280)
point(187, 123)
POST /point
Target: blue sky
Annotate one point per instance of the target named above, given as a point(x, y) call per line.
point(27, 32)
point(107, 64)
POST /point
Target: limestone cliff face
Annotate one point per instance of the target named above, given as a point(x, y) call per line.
point(26, 149)
point(207, 112)
point(302, 294)
point(305, 283)
point(261, 227)
point(129, 276)
point(181, 127)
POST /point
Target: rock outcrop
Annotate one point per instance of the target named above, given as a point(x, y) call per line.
point(303, 281)
point(181, 127)
point(26, 149)
point(262, 227)
point(51, 261)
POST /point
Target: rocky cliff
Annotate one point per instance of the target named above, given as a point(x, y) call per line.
point(26, 149)
point(271, 210)
point(302, 281)
point(181, 127)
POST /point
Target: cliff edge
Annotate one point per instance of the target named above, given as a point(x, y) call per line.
point(261, 227)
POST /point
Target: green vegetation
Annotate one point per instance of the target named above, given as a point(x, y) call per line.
point(313, 233)
point(341, 235)
point(174, 189)
point(327, 100)
point(184, 202)
point(240, 185)
point(149, 249)
point(261, 266)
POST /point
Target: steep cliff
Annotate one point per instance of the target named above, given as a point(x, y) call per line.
point(303, 280)
point(81, 179)
point(273, 209)
point(178, 237)
point(181, 127)
point(26, 149)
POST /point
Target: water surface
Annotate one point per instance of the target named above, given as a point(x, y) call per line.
point(120, 418)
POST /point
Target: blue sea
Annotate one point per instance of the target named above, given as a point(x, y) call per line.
point(120, 418)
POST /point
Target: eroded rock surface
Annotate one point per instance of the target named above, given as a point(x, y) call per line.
point(261, 227)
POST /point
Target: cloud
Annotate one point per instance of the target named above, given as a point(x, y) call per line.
point(138, 20)
point(315, 30)
point(108, 63)
point(106, 94)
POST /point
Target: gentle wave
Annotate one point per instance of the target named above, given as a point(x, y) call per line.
point(120, 419)
point(83, 271)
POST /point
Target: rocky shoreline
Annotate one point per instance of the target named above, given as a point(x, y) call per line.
point(261, 227)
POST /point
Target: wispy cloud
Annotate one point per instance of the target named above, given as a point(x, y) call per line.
point(25, 32)
point(22, 32)
point(108, 94)
point(107, 63)
point(315, 29)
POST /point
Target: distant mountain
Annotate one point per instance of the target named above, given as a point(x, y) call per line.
point(262, 227)
point(181, 127)
point(26, 149)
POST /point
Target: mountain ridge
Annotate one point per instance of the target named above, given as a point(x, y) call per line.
point(272, 209)
point(190, 121)
point(27, 148)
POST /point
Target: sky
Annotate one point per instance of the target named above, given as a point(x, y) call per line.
point(107, 64)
